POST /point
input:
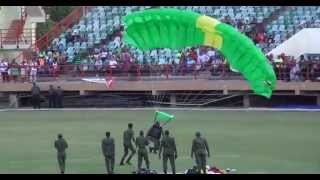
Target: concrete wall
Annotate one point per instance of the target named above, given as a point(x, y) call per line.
point(7, 14)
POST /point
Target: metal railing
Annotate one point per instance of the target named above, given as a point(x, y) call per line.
point(15, 37)
point(138, 72)
point(44, 41)
point(18, 35)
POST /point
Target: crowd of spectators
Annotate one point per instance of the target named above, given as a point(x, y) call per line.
point(102, 60)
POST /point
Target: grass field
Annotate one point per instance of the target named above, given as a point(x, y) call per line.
point(251, 142)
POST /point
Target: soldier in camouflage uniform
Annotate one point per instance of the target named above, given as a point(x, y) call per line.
point(141, 143)
point(61, 145)
point(200, 149)
point(169, 152)
point(128, 137)
point(154, 135)
point(108, 149)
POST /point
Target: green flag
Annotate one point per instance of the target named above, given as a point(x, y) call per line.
point(163, 117)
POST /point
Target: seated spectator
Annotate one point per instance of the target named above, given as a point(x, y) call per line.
point(104, 55)
point(98, 64)
point(113, 63)
point(84, 63)
point(23, 71)
point(91, 63)
point(4, 66)
point(33, 72)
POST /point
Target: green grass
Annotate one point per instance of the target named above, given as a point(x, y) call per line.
point(251, 142)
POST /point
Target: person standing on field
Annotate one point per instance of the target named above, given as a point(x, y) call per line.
point(154, 135)
point(52, 97)
point(59, 97)
point(200, 149)
point(108, 150)
point(61, 145)
point(35, 92)
point(128, 138)
point(142, 143)
point(169, 152)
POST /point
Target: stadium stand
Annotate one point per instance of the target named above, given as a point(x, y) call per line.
point(94, 45)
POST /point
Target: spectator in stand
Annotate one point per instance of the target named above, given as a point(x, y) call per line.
point(240, 25)
point(68, 37)
point(55, 68)
point(41, 62)
point(14, 70)
point(98, 66)
point(75, 34)
point(84, 64)
point(270, 58)
point(104, 55)
point(34, 70)
point(4, 71)
point(61, 45)
point(260, 38)
point(113, 63)
point(7, 70)
point(125, 57)
point(24, 70)
point(227, 20)
point(203, 59)
point(91, 63)
point(295, 73)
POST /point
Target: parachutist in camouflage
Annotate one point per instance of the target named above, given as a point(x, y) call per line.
point(108, 150)
point(169, 152)
point(200, 149)
point(61, 145)
point(128, 137)
point(142, 143)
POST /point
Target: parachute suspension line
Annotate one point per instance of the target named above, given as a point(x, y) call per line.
point(200, 104)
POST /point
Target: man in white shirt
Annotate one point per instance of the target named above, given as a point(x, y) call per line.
point(98, 64)
point(104, 55)
point(116, 42)
point(203, 59)
point(211, 53)
point(33, 72)
point(113, 63)
point(4, 71)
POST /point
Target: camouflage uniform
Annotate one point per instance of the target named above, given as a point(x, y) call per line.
point(128, 136)
point(108, 149)
point(141, 143)
point(200, 149)
point(61, 145)
point(169, 152)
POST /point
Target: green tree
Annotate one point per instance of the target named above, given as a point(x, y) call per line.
point(56, 14)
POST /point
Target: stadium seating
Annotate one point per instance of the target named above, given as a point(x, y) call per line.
point(102, 21)
point(292, 21)
point(101, 29)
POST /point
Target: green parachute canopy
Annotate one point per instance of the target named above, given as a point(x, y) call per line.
point(163, 117)
point(176, 29)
